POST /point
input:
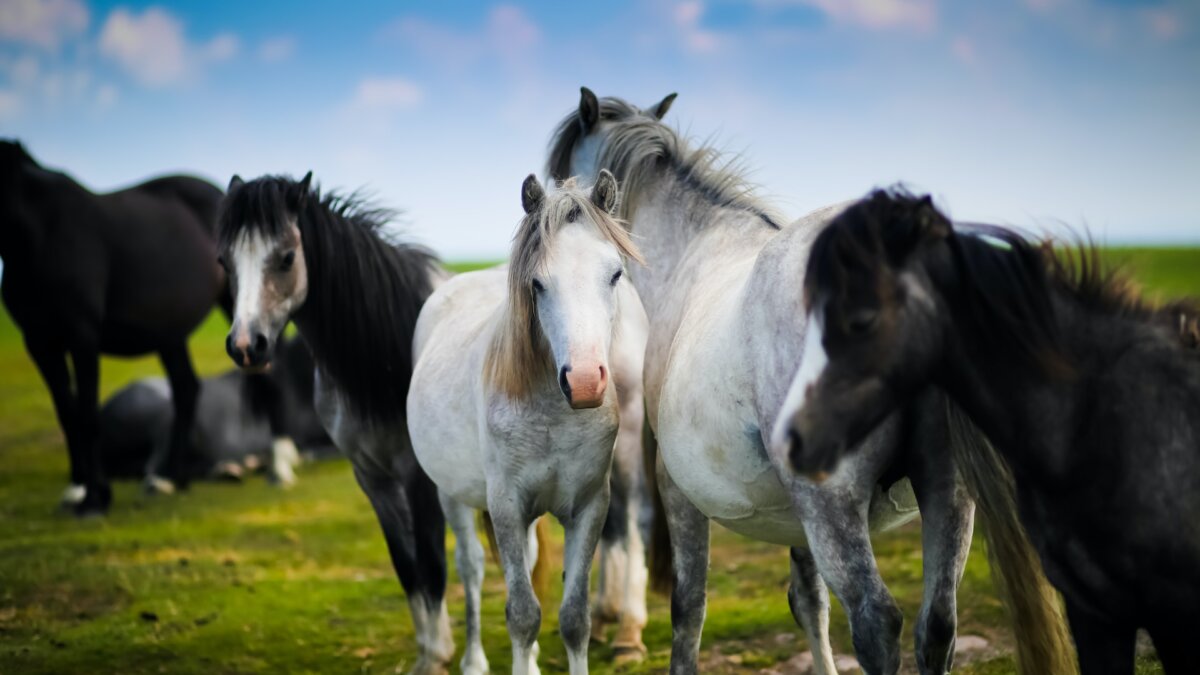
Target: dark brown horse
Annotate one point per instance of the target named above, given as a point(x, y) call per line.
point(125, 273)
point(1090, 395)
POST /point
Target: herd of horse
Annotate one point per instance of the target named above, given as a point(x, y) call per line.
point(661, 351)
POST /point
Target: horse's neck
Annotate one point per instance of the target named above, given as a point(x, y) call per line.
point(679, 232)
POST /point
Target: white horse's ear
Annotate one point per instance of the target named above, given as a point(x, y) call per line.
point(531, 194)
point(589, 109)
point(659, 110)
point(234, 183)
point(604, 192)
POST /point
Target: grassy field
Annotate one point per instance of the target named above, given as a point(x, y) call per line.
point(247, 578)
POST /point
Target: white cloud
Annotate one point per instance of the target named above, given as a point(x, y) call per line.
point(223, 47)
point(277, 49)
point(963, 49)
point(686, 16)
point(508, 33)
point(876, 14)
point(1163, 24)
point(387, 94)
point(43, 23)
point(153, 48)
point(22, 71)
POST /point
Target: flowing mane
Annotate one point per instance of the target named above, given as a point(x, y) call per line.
point(1007, 279)
point(364, 289)
point(518, 357)
point(637, 145)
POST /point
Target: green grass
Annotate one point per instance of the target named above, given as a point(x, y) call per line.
point(247, 578)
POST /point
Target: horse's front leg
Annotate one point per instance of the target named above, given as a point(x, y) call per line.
point(582, 533)
point(841, 546)
point(689, 531)
point(517, 544)
point(51, 362)
point(947, 522)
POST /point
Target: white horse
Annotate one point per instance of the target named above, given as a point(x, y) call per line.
point(723, 283)
point(510, 409)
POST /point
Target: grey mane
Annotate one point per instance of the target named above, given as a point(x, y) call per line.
point(637, 146)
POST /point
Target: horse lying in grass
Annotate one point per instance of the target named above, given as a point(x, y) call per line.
point(323, 262)
point(1090, 396)
point(125, 273)
point(511, 409)
point(722, 283)
point(233, 431)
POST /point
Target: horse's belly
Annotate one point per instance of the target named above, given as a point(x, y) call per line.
point(458, 472)
point(731, 482)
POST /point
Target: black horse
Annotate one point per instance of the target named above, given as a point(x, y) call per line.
point(233, 430)
point(326, 262)
point(125, 273)
point(1090, 395)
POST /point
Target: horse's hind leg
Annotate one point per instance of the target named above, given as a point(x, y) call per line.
point(185, 391)
point(1104, 648)
point(412, 522)
point(809, 601)
point(621, 592)
point(582, 533)
point(468, 555)
point(52, 364)
point(689, 530)
point(947, 521)
point(841, 545)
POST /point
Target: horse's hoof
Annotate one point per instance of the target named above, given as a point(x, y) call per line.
point(626, 655)
point(157, 485)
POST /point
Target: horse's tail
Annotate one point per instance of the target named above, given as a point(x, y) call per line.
point(1043, 642)
point(540, 576)
point(662, 576)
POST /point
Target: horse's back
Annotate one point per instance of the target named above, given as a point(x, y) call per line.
point(200, 196)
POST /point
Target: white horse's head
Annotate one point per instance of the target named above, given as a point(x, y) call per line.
point(263, 254)
point(567, 263)
point(581, 139)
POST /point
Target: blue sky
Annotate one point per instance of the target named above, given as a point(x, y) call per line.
point(1025, 112)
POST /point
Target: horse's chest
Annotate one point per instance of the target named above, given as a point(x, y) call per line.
point(554, 457)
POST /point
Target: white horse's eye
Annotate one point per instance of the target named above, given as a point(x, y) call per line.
point(537, 286)
point(615, 278)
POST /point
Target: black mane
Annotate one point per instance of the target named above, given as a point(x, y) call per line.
point(1004, 281)
point(364, 291)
